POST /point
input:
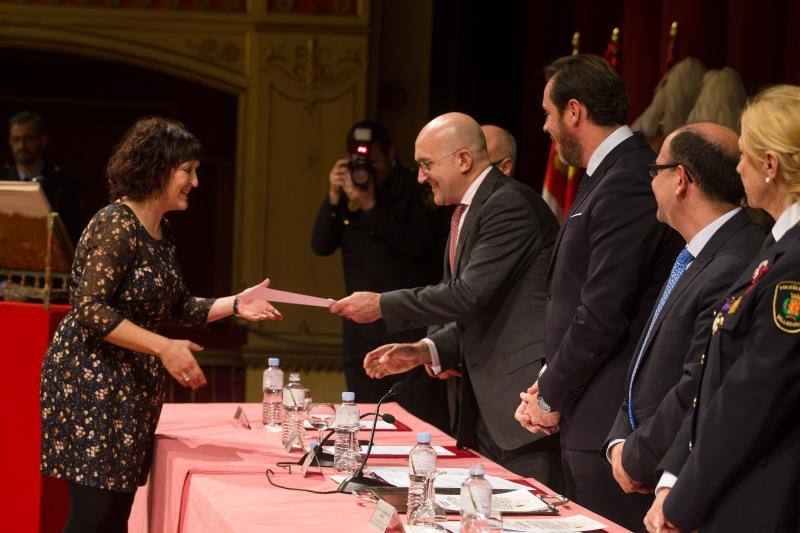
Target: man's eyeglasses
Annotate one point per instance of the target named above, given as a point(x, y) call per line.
point(426, 165)
point(654, 169)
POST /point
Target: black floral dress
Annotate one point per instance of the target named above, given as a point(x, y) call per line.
point(100, 403)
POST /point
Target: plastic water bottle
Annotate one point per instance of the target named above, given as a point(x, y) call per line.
point(476, 501)
point(272, 384)
point(346, 456)
point(293, 404)
point(421, 470)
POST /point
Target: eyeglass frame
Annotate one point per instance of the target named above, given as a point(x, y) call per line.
point(426, 166)
point(654, 168)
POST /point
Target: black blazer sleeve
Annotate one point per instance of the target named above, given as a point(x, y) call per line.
point(327, 233)
point(645, 446)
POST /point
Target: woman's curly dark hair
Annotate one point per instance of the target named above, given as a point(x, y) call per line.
point(144, 158)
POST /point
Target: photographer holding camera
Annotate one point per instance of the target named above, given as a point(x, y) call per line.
point(391, 236)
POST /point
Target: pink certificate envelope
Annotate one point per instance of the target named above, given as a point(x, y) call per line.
point(274, 295)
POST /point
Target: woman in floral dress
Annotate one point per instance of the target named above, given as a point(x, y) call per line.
point(103, 378)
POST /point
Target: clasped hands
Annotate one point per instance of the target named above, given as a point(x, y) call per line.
point(531, 417)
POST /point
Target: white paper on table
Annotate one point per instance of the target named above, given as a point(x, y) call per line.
point(517, 501)
point(274, 295)
point(552, 525)
point(382, 424)
point(399, 451)
point(364, 424)
point(541, 525)
point(450, 478)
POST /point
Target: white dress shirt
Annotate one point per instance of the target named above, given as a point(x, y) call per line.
point(620, 135)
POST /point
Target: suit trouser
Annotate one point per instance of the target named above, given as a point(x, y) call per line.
point(590, 482)
point(540, 459)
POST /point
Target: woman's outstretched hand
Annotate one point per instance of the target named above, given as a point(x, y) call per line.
point(253, 308)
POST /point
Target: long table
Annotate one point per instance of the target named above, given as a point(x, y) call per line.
point(209, 475)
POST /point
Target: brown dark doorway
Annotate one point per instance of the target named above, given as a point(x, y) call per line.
point(89, 103)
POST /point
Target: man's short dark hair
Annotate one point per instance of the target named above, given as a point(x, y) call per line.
point(590, 80)
point(145, 157)
point(23, 117)
point(380, 135)
point(710, 166)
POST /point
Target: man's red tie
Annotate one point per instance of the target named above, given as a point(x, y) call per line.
point(456, 218)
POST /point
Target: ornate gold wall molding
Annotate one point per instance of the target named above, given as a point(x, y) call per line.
point(312, 87)
point(301, 81)
point(215, 60)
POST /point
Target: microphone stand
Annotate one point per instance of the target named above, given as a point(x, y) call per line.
point(358, 481)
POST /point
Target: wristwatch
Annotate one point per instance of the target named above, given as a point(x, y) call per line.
point(543, 405)
point(236, 305)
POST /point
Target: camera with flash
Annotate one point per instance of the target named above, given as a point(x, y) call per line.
point(362, 171)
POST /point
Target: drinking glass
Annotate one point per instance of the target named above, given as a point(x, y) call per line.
point(321, 417)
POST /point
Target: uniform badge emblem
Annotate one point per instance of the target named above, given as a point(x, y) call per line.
point(786, 306)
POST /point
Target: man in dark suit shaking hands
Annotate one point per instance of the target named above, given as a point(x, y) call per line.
point(698, 193)
point(491, 301)
point(610, 260)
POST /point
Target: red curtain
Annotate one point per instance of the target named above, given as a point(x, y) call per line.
point(757, 38)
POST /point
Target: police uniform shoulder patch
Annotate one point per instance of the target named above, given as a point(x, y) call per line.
point(786, 306)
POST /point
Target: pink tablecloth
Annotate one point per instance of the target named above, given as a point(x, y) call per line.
point(208, 475)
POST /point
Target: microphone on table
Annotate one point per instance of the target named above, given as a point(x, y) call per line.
point(326, 459)
point(358, 480)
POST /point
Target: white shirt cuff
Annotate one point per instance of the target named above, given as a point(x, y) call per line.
point(611, 445)
point(435, 365)
point(667, 480)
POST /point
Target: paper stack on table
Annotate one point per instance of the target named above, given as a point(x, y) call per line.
point(382, 425)
point(450, 478)
point(399, 451)
point(563, 524)
point(516, 501)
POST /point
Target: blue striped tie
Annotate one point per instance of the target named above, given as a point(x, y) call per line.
point(681, 263)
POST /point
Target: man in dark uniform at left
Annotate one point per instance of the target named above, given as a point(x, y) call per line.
point(383, 226)
point(27, 138)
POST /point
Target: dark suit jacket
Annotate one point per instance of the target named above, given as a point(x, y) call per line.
point(495, 298)
point(740, 445)
point(610, 260)
point(666, 378)
point(63, 193)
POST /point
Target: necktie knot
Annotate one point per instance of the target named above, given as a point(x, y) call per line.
point(684, 258)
